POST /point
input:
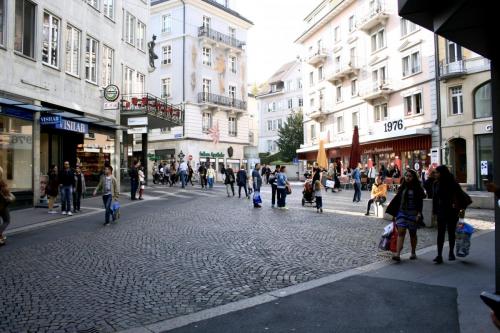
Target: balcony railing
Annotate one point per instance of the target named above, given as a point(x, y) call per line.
point(151, 105)
point(376, 14)
point(461, 67)
point(228, 101)
point(343, 70)
point(377, 90)
point(220, 37)
point(318, 56)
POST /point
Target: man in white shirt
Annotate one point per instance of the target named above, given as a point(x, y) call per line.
point(183, 169)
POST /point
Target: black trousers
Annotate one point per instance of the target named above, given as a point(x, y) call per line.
point(134, 185)
point(446, 222)
point(371, 201)
point(239, 190)
point(274, 190)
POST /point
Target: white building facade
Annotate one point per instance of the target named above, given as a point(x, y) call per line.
point(56, 58)
point(364, 66)
point(279, 97)
point(202, 65)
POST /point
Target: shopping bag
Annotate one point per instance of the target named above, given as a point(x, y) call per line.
point(115, 208)
point(257, 200)
point(330, 184)
point(394, 238)
point(463, 235)
point(385, 240)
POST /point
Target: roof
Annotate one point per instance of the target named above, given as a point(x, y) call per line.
point(280, 74)
point(213, 3)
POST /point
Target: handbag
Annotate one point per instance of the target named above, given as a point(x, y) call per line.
point(288, 189)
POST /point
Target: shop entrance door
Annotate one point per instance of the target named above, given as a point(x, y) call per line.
point(458, 159)
point(58, 147)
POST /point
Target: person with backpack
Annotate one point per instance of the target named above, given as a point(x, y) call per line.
point(229, 180)
point(448, 202)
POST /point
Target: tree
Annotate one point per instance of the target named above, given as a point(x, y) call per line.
point(291, 137)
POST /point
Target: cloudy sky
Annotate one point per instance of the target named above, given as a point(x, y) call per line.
point(277, 24)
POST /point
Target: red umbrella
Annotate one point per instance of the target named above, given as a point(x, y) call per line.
point(355, 157)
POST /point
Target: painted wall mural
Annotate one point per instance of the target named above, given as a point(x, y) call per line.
point(220, 68)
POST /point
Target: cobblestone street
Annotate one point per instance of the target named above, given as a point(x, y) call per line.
point(178, 252)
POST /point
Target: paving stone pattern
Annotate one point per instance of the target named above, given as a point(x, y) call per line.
point(173, 256)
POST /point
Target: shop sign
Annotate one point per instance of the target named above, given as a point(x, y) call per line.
point(137, 121)
point(137, 130)
point(50, 120)
point(111, 93)
point(392, 126)
point(73, 126)
point(110, 105)
point(378, 150)
point(434, 157)
point(211, 154)
point(16, 141)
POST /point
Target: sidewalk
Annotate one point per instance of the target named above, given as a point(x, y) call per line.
point(411, 296)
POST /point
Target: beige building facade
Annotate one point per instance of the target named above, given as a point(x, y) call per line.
point(466, 119)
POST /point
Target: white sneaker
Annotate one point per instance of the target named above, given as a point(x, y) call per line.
point(70, 213)
point(64, 213)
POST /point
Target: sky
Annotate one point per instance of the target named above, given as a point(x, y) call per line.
point(277, 24)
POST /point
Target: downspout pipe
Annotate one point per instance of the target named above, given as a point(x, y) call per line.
point(184, 66)
point(437, 82)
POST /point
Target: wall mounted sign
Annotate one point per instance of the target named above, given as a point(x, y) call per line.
point(73, 126)
point(137, 121)
point(50, 120)
point(211, 154)
point(111, 93)
point(110, 105)
point(137, 130)
point(392, 126)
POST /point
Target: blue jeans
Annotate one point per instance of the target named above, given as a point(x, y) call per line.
point(183, 178)
point(281, 197)
point(210, 182)
point(66, 196)
point(107, 200)
point(357, 191)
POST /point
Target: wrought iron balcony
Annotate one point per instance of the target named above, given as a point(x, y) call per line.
point(344, 70)
point(219, 37)
point(448, 70)
point(233, 103)
point(151, 105)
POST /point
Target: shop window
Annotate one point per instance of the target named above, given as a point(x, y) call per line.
point(24, 28)
point(484, 159)
point(482, 101)
point(456, 98)
point(16, 152)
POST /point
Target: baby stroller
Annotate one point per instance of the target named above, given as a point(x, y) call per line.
point(308, 192)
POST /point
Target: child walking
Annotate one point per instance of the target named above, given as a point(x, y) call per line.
point(319, 198)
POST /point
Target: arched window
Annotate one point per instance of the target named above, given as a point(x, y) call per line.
point(482, 101)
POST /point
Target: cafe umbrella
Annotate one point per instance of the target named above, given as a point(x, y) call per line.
point(355, 156)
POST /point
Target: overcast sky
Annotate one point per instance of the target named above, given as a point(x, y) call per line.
point(277, 24)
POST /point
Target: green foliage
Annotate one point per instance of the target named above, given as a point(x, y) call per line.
point(291, 136)
point(267, 158)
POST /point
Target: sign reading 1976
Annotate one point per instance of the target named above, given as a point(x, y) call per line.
point(111, 93)
point(395, 125)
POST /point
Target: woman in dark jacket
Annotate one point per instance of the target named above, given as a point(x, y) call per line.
point(52, 187)
point(446, 205)
point(406, 207)
point(229, 180)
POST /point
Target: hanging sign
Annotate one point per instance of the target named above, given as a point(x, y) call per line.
point(111, 93)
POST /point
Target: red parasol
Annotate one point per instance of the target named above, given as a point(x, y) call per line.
point(355, 157)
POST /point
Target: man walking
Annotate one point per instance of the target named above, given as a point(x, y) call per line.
point(241, 180)
point(183, 170)
point(67, 182)
point(134, 180)
point(202, 170)
point(257, 183)
point(108, 186)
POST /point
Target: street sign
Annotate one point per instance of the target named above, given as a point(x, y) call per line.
point(111, 93)
point(137, 121)
point(295, 161)
point(137, 130)
point(110, 105)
